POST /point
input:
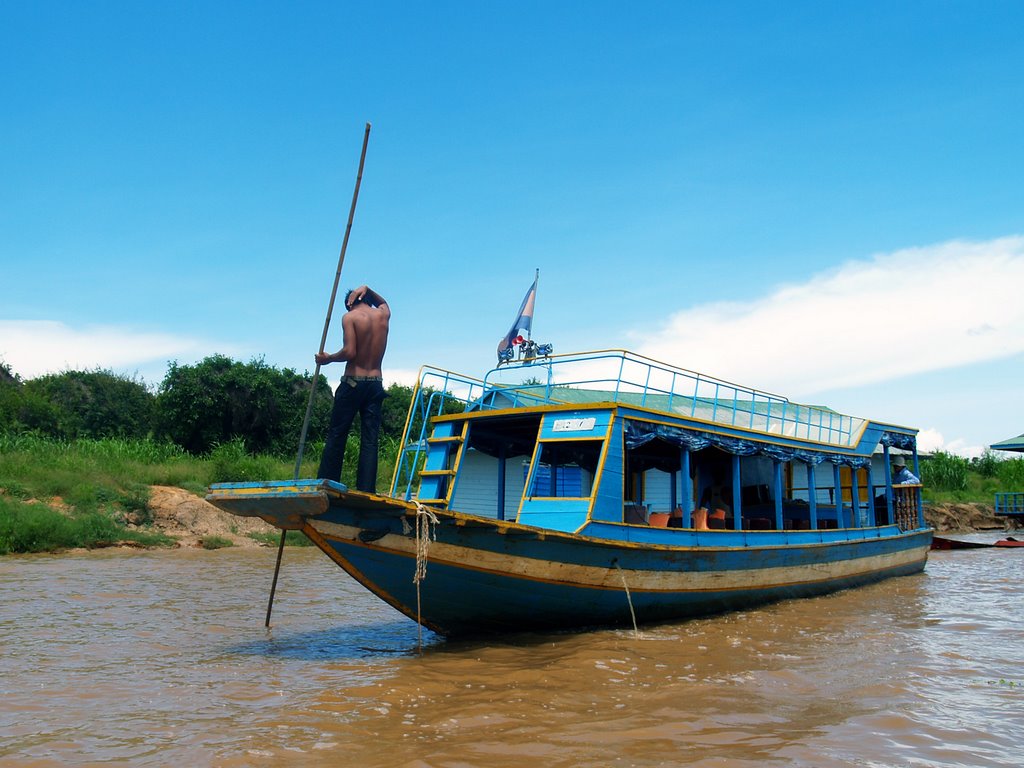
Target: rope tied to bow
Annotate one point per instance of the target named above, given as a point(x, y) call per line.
point(426, 529)
point(425, 518)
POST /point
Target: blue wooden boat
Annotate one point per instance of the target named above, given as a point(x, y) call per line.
point(606, 488)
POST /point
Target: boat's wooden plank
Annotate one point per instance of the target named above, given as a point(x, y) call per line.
point(281, 503)
point(286, 503)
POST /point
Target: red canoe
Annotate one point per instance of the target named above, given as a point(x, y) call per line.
point(1009, 541)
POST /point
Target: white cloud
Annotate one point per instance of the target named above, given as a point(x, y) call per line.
point(893, 315)
point(961, 447)
point(930, 440)
point(405, 376)
point(33, 348)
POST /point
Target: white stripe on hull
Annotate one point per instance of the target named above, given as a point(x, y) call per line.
point(637, 580)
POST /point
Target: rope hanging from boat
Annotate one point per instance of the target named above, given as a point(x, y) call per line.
point(629, 599)
point(425, 518)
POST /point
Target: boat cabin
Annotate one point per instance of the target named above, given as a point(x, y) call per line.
point(576, 443)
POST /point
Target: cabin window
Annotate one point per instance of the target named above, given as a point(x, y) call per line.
point(565, 469)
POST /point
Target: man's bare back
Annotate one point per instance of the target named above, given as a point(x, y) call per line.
point(365, 327)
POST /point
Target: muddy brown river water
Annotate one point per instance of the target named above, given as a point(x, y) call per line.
point(161, 659)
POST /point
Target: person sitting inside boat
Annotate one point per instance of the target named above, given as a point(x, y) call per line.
point(901, 475)
point(715, 502)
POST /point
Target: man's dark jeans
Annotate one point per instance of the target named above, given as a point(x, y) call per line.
point(354, 396)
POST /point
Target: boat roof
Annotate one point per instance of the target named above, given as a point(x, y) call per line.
point(1010, 444)
point(622, 378)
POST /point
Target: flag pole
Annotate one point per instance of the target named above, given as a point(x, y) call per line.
point(536, 287)
point(316, 373)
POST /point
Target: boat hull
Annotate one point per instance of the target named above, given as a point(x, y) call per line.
point(1009, 541)
point(484, 576)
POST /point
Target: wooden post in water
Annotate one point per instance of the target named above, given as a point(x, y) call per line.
point(316, 373)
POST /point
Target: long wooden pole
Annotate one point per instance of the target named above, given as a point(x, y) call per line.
point(323, 343)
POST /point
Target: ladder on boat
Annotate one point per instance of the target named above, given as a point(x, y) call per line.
point(444, 453)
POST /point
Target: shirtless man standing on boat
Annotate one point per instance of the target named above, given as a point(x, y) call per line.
point(365, 326)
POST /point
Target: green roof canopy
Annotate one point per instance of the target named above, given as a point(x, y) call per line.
point(1012, 444)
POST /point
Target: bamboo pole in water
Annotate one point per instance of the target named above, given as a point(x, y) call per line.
point(316, 373)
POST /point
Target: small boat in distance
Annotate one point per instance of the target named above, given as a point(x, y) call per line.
point(1009, 541)
point(606, 488)
point(943, 542)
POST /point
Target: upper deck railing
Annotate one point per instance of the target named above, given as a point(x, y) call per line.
point(616, 376)
point(624, 377)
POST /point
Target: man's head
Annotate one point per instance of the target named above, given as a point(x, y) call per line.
point(899, 462)
point(350, 302)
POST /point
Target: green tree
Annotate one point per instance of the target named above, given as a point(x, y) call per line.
point(986, 465)
point(7, 376)
point(87, 404)
point(395, 410)
point(24, 411)
point(10, 397)
point(219, 400)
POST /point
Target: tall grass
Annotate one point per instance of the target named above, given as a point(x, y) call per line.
point(51, 467)
point(231, 462)
point(1011, 474)
point(105, 482)
point(950, 478)
point(945, 472)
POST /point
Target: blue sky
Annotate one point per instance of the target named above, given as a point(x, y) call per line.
point(818, 199)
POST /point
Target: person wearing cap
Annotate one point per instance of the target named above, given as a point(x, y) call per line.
point(902, 475)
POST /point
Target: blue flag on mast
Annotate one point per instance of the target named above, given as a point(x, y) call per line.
point(523, 321)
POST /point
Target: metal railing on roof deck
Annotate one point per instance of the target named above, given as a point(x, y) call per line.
point(611, 376)
point(624, 377)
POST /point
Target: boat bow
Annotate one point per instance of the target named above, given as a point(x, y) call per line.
point(286, 504)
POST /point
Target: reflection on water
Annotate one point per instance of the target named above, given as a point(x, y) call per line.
point(161, 658)
point(335, 644)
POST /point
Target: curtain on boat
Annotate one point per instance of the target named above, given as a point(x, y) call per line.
point(640, 433)
point(897, 440)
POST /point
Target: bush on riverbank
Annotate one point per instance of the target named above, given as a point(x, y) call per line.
point(79, 488)
point(60, 494)
point(195, 406)
point(75, 404)
point(35, 527)
point(220, 400)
